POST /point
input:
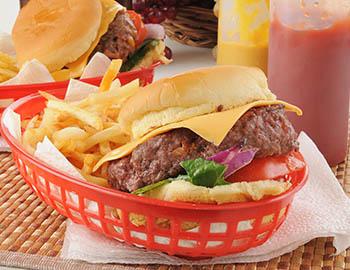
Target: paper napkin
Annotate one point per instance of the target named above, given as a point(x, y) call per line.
point(320, 209)
point(12, 121)
point(31, 72)
point(97, 66)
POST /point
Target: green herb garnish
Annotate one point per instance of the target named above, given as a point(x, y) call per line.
point(204, 173)
point(150, 187)
point(200, 172)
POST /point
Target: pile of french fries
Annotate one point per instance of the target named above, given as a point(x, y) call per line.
point(8, 67)
point(85, 130)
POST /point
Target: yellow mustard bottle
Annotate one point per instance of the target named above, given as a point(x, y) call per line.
point(243, 33)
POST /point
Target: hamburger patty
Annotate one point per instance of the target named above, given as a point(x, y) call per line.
point(265, 128)
point(119, 41)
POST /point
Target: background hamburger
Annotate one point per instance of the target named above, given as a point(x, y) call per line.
point(195, 133)
point(66, 33)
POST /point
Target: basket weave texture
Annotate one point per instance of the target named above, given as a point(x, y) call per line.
point(194, 26)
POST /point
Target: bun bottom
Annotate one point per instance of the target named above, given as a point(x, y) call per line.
point(182, 191)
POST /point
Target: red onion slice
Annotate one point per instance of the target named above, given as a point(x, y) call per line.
point(234, 158)
point(155, 31)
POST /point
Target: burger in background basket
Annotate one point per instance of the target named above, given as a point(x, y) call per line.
point(63, 35)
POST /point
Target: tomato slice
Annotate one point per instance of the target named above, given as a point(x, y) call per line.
point(140, 27)
point(269, 168)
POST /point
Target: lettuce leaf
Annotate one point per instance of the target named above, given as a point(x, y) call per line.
point(205, 173)
point(150, 187)
point(200, 172)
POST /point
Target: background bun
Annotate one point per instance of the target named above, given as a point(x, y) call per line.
point(190, 94)
point(56, 32)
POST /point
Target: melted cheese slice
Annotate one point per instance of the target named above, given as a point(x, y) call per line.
point(211, 127)
point(110, 8)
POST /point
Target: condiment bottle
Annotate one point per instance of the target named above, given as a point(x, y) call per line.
point(309, 65)
point(243, 32)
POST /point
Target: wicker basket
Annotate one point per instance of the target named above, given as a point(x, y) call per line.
point(193, 26)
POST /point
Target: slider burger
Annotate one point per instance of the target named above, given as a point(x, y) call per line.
point(214, 135)
point(66, 33)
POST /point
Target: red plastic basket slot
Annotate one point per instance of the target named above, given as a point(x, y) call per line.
point(238, 226)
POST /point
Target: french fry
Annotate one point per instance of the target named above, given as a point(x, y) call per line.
point(127, 90)
point(7, 72)
point(8, 59)
point(61, 75)
point(9, 66)
point(77, 156)
point(32, 136)
point(50, 118)
point(70, 137)
point(95, 179)
point(109, 124)
point(105, 148)
point(120, 140)
point(112, 113)
point(84, 131)
point(90, 161)
point(83, 115)
point(68, 122)
point(31, 123)
point(114, 96)
point(109, 76)
point(70, 133)
point(110, 134)
point(4, 78)
point(48, 96)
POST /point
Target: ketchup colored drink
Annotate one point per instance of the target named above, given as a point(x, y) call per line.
point(311, 68)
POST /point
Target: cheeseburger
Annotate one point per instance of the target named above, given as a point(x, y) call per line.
point(64, 34)
point(213, 135)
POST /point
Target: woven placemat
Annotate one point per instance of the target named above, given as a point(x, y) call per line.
point(31, 233)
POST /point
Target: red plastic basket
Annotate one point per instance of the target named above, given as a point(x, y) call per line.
point(11, 93)
point(216, 229)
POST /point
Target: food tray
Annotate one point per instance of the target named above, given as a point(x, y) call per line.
point(10, 93)
point(193, 230)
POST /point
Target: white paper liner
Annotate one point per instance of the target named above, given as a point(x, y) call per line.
point(78, 90)
point(97, 66)
point(31, 72)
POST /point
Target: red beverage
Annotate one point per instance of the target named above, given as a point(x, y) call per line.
point(311, 69)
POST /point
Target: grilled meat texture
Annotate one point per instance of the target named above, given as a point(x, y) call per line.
point(120, 40)
point(265, 128)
